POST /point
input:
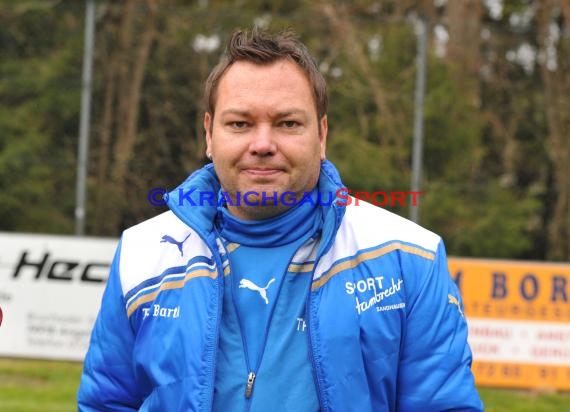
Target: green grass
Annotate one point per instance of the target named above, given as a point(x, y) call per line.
point(33, 386)
point(48, 386)
point(499, 400)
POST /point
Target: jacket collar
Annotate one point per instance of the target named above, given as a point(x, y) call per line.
point(195, 201)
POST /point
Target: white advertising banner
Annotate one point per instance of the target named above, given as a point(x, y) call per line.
point(521, 342)
point(50, 293)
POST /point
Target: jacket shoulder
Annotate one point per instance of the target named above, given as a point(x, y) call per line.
point(151, 248)
point(166, 221)
point(371, 225)
point(368, 232)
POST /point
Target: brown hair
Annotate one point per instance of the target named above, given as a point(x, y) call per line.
point(260, 47)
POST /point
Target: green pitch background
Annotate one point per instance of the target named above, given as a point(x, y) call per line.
point(48, 386)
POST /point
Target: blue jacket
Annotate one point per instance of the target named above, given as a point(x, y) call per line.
point(385, 320)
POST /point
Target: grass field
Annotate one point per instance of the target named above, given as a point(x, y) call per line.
point(46, 386)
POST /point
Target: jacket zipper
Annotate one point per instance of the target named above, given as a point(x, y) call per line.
point(220, 283)
point(312, 347)
point(252, 373)
point(312, 344)
point(220, 280)
point(249, 384)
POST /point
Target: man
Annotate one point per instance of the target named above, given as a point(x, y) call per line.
point(259, 290)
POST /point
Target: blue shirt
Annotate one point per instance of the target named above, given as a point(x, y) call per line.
point(263, 330)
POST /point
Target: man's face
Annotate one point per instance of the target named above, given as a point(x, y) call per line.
point(264, 136)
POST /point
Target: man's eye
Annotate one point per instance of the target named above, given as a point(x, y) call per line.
point(238, 124)
point(289, 124)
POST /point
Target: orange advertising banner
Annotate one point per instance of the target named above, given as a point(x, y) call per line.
point(519, 321)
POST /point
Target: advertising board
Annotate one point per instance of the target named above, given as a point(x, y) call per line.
point(519, 321)
point(50, 292)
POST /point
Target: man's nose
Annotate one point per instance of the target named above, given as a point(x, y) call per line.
point(263, 141)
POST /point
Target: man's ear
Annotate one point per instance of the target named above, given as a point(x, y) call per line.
point(208, 120)
point(324, 129)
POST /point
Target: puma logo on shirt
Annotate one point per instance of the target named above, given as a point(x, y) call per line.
point(171, 240)
point(246, 283)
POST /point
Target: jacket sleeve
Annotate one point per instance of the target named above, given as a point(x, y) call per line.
point(108, 382)
point(435, 366)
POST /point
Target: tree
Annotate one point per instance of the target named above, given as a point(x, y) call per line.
point(39, 95)
point(496, 181)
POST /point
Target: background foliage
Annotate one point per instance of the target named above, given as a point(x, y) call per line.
point(497, 149)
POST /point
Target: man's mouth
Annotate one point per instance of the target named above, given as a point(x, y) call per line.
point(262, 172)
